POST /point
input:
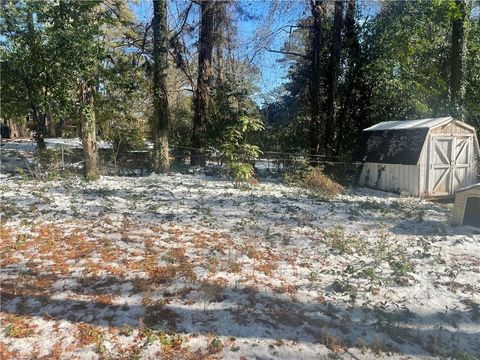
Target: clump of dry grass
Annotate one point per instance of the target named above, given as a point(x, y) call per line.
point(317, 181)
point(19, 326)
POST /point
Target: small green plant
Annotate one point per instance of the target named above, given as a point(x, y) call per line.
point(170, 340)
point(411, 207)
point(343, 243)
point(20, 329)
point(215, 346)
point(126, 330)
point(237, 152)
point(401, 266)
point(241, 172)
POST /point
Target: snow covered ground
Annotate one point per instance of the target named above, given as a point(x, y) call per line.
point(190, 267)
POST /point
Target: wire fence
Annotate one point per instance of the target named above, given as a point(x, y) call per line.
point(272, 159)
point(269, 162)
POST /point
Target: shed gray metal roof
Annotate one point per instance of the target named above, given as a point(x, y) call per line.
point(401, 142)
point(409, 124)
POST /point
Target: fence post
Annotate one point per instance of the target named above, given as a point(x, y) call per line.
point(63, 158)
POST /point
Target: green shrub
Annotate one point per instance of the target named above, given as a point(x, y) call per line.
point(241, 172)
point(237, 153)
point(296, 171)
point(124, 136)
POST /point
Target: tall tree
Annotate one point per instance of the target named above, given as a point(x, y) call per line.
point(202, 92)
point(317, 8)
point(354, 91)
point(221, 21)
point(407, 48)
point(27, 78)
point(458, 56)
point(161, 116)
point(332, 78)
point(82, 45)
point(80, 32)
point(472, 93)
point(88, 129)
point(38, 116)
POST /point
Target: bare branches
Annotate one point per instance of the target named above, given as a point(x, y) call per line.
point(184, 20)
point(286, 52)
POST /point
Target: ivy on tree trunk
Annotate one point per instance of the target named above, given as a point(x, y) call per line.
point(202, 93)
point(89, 139)
point(317, 9)
point(335, 52)
point(161, 116)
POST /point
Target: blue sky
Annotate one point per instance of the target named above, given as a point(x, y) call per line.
point(272, 72)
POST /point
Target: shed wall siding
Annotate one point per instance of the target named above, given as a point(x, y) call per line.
point(423, 166)
point(428, 172)
point(451, 128)
point(391, 177)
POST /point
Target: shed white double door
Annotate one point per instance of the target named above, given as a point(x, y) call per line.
point(450, 164)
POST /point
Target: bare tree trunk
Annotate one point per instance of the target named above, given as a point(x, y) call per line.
point(458, 57)
point(17, 130)
point(335, 50)
point(202, 93)
point(40, 128)
point(51, 130)
point(88, 131)
point(317, 9)
point(161, 116)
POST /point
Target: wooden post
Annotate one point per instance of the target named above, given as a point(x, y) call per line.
point(63, 158)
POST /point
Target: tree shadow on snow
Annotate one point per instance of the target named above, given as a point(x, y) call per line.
point(431, 228)
point(245, 313)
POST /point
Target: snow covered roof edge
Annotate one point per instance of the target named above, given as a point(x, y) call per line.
point(409, 124)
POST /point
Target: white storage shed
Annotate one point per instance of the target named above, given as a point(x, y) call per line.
point(466, 210)
point(428, 157)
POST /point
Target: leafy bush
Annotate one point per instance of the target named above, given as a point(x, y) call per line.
point(241, 172)
point(297, 169)
point(124, 136)
point(47, 165)
point(237, 153)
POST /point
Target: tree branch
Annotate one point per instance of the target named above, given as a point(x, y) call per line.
point(185, 18)
point(286, 52)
